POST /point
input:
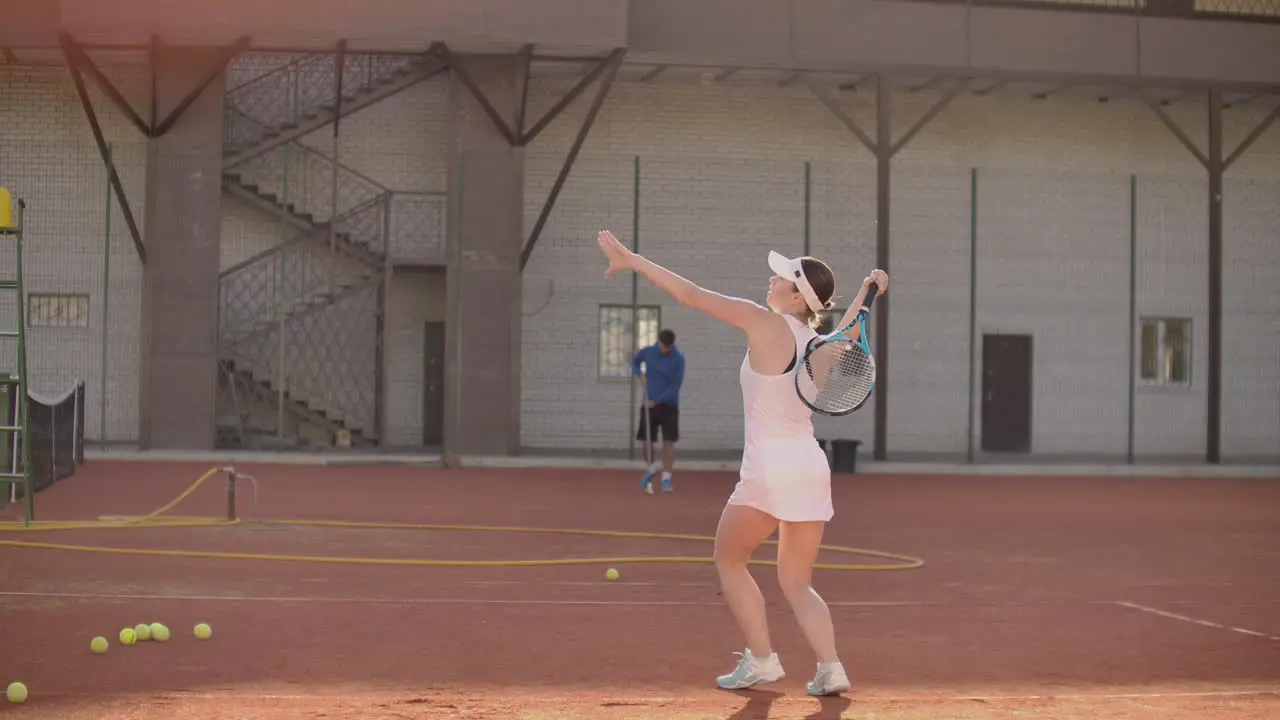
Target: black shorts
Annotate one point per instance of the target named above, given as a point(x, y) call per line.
point(661, 417)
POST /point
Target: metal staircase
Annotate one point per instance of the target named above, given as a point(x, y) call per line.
point(260, 117)
point(300, 323)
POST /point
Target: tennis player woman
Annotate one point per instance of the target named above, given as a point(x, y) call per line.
point(785, 481)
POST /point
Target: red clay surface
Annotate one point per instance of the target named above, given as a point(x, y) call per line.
point(1040, 598)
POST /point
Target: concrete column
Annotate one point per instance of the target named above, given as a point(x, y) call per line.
point(182, 229)
point(486, 211)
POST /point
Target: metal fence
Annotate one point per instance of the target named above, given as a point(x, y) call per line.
point(1043, 313)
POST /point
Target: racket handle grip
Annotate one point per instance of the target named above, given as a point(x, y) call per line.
point(872, 290)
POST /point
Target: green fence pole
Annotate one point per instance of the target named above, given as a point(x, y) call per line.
point(808, 201)
point(973, 299)
point(453, 286)
point(1133, 309)
point(284, 237)
point(106, 294)
point(635, 298)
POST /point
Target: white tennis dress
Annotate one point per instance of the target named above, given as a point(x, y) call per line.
point(784, 471)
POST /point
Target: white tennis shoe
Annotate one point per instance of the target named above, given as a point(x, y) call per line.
point(831, 679)
point(752, 671)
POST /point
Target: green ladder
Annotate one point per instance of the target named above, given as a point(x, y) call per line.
point(15, 387)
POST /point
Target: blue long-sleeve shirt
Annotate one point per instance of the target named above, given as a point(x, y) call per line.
point(665, 373)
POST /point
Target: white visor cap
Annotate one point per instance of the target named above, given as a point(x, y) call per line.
point(793, 270)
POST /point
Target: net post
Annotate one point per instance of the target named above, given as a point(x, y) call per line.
point(231, 493)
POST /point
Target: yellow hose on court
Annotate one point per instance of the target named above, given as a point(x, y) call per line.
point(155, 519)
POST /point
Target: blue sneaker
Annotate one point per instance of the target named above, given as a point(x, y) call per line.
point(646, 482)
point(752, 671)
point(666, 484)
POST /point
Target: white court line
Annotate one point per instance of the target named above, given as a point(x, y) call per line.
point(575, 583)
point(1184, 618)
point(1116, 696)
point(419, 601)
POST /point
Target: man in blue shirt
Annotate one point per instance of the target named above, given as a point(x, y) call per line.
point(661, 367)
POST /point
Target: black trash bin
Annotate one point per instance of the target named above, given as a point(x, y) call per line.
point(844, 456)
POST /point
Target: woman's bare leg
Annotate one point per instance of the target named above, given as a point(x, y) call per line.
point(798, 547)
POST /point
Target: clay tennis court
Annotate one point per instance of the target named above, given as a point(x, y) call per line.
point(1039, 597)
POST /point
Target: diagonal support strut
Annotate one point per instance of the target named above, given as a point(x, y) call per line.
point(883, 147)
point(73, 64)
point(219, 67)
point(79, 60)
point(460, 69)
point(613, 63)
point(79, 64)
point(610, 62)
point(1216, 165)
point(607, 67)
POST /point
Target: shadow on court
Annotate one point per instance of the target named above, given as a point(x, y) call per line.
point(759, 703)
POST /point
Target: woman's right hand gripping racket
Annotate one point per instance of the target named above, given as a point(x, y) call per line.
point(839, 371)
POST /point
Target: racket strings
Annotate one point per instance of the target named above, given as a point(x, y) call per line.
point(842, 376)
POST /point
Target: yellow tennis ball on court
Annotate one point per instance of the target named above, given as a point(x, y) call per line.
point(203, 631)
point(17, 692)
point(611, 573)
point(98, 645)
point(143, 631)
point(128, 636)
point(159, 632)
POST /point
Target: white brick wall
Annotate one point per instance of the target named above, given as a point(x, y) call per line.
point(1251, 310)
point(721, 182)
point(1053, 263)
point(48, 157)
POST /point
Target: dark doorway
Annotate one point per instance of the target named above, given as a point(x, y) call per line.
point(1006, 393)
point(433, 385)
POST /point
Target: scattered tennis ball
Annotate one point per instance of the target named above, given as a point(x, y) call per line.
point(203, 631)
point(17, 692)
point(159, 632)
point(128, 636)
point(611, 573)
point(98, 645)
point(143, 631)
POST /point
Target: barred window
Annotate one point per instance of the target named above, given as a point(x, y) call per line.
point(1165, 354)
point(620, 338)
point(57, 310)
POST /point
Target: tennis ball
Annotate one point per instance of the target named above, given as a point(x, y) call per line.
point(611, 573)
point(143, 631)
point(98, 645)
point(159, 632)
point(128, 636)
point(17, 692)
point(203, 631)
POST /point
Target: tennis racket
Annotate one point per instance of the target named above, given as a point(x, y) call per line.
point(839, 372)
